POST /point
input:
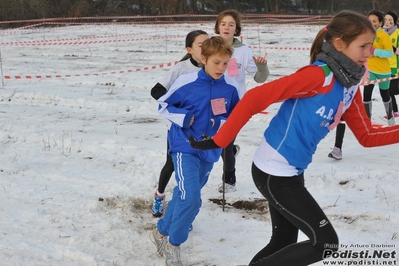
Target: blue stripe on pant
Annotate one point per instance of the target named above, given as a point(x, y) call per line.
point(191, 175)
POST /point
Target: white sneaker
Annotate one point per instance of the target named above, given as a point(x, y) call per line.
point(336, 154)
point(159, 242)
point(391, 121)
point(227, 188)
point(172, 256)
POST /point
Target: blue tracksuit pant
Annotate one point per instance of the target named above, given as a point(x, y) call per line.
point(191, 175)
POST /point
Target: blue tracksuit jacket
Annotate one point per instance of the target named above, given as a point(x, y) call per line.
point(191, 95)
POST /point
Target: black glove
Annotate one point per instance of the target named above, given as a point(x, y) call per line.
point(206, 143)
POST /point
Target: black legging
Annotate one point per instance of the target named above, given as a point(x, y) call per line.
point(394, 90)
point(166, 172)
point(292, 208)
point(368, 91)
point(340, 133)
point(229, 164)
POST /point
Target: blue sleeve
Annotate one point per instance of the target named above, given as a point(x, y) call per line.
point(383, 53)
point(169, 108)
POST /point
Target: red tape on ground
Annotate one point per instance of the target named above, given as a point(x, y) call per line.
point(58, 76)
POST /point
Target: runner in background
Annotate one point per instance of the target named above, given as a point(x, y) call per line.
point(191, 62)
point(391, 27)
point(379, 67)
point(336, 152)
point(197, 103)
point(242, 63)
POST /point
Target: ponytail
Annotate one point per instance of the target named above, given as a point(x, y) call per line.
point(317, 44)
point(185, 57)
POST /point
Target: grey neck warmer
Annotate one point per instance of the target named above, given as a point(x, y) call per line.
point(347, 72)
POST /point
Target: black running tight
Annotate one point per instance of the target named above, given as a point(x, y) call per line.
point(166, 172)
point(292, 208)
point(368, 91)
point(229, 164)
point(339, 134)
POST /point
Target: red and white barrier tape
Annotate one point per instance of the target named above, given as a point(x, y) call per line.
point(58, 76)
point(155, 18)
point(85, 25)
point(65, 27)
point(91, 37)
point(378, 81)
point(280, 48)
point(82, 42)
point(165, 65)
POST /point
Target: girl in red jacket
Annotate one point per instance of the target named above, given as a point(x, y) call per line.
point(314, 99)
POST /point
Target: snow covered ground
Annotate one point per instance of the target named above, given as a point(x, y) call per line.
point(82, 146)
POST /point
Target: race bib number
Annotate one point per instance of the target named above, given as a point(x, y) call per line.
point(232, 67)
point(218, 106)
point(337, 117)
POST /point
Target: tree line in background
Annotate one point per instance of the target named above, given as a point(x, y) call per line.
point(37, 9)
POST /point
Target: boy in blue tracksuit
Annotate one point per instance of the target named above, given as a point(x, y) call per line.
point(197, 103)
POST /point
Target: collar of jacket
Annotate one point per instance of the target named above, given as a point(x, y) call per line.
point(206, 78)
point(237, 43)
point(391, 30)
